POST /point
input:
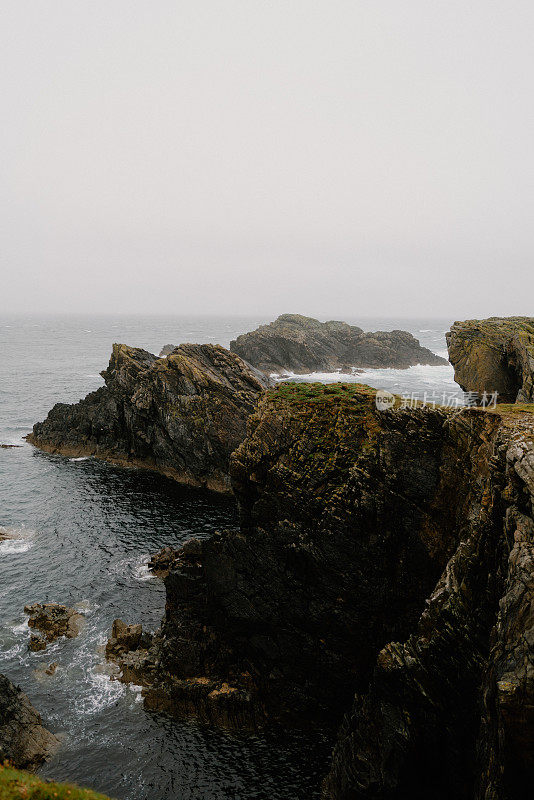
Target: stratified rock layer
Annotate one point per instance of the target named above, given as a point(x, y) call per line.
point(302, 344)
point(24, 742)
point(182, 415)
point(494, 355)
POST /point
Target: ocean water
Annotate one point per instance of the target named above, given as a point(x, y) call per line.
point(80, 533)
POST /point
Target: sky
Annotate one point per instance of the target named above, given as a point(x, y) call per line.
point(333, 158)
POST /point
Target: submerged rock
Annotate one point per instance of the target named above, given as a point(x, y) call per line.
point(302, 344)
point(494, 355)
point(24, 742)
point(52, 621)
point(182, 415)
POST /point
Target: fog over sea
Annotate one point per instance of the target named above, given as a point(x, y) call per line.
point(80, 533)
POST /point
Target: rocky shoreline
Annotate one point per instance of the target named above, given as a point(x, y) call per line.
point(380, 582)
point(24, 741)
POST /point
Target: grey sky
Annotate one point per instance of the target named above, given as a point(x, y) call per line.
point(332, 157)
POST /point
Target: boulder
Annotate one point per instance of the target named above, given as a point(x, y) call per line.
point(24, 741)
point(52, 621)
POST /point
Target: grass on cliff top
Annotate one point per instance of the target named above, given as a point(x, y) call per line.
point(18, 785)
point(513, 408)
point(320, 392)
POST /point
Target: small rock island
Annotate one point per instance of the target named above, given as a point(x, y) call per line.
point(294, 343)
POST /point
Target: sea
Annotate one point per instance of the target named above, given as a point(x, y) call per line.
point(80, 532)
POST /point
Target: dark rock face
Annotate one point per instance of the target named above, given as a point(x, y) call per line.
point(494, 355)
point(182, 415)
point(381, 579)
point(51, 620)
point(302, 344)
point(23, 739)
point(449, 712)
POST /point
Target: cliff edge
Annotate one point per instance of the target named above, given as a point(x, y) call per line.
point(494, 355)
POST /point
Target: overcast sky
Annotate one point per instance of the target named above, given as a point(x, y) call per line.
point(331, 157)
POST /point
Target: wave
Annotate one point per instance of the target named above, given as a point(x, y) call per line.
point(80, 458)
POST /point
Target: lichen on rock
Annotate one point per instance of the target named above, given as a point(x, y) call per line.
point(494, 355)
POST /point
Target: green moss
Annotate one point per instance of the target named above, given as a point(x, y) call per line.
point(513, 408)
point(18, 785)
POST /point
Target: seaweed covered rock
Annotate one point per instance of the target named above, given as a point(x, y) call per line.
point(302, 344)
point(51, 621)
point(182, 415)
point(494, 355)
point(24, 741)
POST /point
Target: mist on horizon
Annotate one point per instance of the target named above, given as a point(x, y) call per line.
point(342, 160)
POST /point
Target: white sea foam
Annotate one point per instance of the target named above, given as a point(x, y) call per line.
point(142, 572)
point(102, 692)
point(80, 458)
point(16, 539)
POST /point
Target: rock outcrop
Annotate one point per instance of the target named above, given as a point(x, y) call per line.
point(51, 621)
point(301, 344)
point(494, 355)
point(24, 742)
point(381, 579)
point(182, 415)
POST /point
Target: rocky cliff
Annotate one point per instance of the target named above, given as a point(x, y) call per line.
point(182, 415)
point(494, 355)
point(301, 344)
point(381, 580)
point(24, 741)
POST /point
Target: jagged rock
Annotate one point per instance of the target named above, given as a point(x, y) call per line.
point(24, 742)
point(316, 609)
point(166, 350)
point(302, 344)
point(161, 562)
point(128, 647)
point(182, 415)
point(52, 621)
point(346, 527)
point(494, 355)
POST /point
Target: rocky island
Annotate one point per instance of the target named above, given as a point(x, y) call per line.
point(494, 355)
point(294, 343)
point(182, 415)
